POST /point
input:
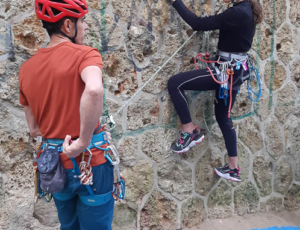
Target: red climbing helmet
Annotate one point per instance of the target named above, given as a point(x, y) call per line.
point(54, 10)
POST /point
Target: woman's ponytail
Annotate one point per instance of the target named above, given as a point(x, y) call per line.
point(257, 11)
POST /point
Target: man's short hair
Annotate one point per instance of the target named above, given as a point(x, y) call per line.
point(54, 28)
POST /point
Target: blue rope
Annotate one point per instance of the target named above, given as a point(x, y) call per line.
point(258, 95)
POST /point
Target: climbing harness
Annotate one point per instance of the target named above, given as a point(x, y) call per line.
point(225, 71)
point(83, 172)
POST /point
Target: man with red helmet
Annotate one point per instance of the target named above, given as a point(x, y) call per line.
point(62, 94)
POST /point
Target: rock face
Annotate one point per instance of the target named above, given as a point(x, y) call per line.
point(163, 190)
point(246, 199)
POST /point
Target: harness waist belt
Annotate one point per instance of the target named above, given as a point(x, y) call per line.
point(97, 139)
point(230, 56)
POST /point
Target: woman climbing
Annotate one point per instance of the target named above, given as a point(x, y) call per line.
point(237, 28)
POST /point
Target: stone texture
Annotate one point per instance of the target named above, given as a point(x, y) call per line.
point(204, 111)
point(175, 177)
point(169, 116)
point(246, 199)
point(173, 39)
point(192, 212)
point(286, 45)
point(201, 8)
point(273, 139)
point(262, 42)
point(274, 204)
point(292, 198)
point(9, 8)
point(275, 75)
point(119, 74)
point(157, 15)
point(160, 81)
point(295, 71)
point(262, 173)
point(128, 151)
point(285, 102)
point(242, 104)
point(125, 10)
point(96, 4)
point(141, 42)
point(294, 12)
point(217, 137)
point(9, 84)
point(139, 181)
point(219, 202)
point(103, 33)
point(19, 190)
point(14, 136)
point(124, 217)
point(283, 175)
point(263, 107)
point(297, 170)
point(272, 8)
point(159, 212)
point(5, 41)
point(249, 128)
point(29, 35)
point(46, 213)
point(142, 113)
point(155, 143)
point(205, 177)
point(292, 137)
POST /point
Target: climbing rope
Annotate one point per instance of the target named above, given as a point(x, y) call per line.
point(153, 76)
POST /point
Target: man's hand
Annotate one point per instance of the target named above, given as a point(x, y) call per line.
point(74, 148)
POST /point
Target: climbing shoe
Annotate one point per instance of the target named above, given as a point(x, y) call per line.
point(229, 174)
point(187, 140)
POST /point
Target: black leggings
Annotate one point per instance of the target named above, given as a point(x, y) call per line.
point(201, 80)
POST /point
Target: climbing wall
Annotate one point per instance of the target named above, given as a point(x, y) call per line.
point(164, 191)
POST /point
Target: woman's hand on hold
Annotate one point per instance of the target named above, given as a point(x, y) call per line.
point(73, 148)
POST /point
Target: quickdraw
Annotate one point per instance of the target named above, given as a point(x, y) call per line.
point(86, 176)
point(108, 121)
point(119, 186)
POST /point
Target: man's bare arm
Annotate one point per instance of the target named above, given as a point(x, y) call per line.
point(31, 122)
point(90, 110)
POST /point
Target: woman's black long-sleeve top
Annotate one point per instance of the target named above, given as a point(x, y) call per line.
point(236, 25)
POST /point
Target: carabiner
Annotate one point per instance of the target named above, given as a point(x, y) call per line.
point(114, 151)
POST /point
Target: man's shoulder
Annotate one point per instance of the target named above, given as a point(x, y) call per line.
point(80, 48)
